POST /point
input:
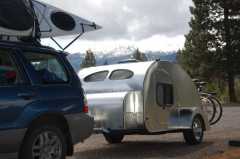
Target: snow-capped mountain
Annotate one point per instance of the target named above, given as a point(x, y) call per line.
point(119, 54)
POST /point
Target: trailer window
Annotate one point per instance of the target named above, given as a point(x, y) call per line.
point(121, 75)
point(96, 77)
point(164, 94)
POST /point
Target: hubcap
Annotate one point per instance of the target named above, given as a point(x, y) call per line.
point(47, 145)
point(197, 129)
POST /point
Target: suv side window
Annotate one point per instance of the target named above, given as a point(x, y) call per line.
point(9, 75)
point(165, 94)
point(121, 75)
point(96, 77)
point(48, 66)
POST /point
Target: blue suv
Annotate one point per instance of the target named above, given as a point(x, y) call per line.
point(43, 111)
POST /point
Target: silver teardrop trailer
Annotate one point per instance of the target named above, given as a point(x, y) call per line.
point(144, 98)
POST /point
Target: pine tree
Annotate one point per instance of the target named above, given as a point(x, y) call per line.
point(225, 17)
point(195, 55)
point(139, 56)
point(105, 62)
point(212, 46)
point(89, 60)
point(144, 57)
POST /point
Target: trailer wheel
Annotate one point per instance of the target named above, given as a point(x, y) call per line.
point(113, 138)
point(195, 135)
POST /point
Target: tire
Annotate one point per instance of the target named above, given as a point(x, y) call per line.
point(113, 138)
point(46, 141)
point(194, 136)
point(219, 111)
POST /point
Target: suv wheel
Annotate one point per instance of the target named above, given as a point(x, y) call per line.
point(44, 142)
point(113, 138)
point(195, 135)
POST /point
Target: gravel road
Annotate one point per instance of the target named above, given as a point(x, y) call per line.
point(169, 146)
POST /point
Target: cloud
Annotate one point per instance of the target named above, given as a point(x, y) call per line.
point(131, 19)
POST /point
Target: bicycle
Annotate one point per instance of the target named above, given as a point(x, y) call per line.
point(210, 102)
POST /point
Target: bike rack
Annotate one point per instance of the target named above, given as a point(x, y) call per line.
point(214, 101)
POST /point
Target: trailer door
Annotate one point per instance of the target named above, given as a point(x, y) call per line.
point(159, 101)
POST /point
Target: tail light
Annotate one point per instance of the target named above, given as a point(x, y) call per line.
point(85, 105)
point(85, 108)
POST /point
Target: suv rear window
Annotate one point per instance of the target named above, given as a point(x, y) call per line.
point(9, 74)
point(96, 77)
point(121, 75)
point(48, 66)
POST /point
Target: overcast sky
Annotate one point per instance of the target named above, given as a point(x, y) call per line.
point(146, 24)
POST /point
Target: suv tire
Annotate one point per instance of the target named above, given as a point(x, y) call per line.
point(48, 141)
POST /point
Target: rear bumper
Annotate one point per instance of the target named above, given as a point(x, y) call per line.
point(10, 140)
point(81, 126)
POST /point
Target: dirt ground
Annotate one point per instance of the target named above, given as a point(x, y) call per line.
point(169, 146)
point(229, 154)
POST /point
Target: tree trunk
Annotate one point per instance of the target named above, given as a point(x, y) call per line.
point(228, 54)
point(231, 88)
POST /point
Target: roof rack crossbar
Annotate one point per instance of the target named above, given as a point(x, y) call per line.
point(75, 39)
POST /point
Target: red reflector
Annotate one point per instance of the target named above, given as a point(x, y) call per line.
point(85, 109)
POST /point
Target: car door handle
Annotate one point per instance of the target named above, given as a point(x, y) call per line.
point(26, 96)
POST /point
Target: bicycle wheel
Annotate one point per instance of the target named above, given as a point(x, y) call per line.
point(209, 107)
point(219, 110)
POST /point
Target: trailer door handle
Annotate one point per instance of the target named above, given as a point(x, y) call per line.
point(26, 96)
